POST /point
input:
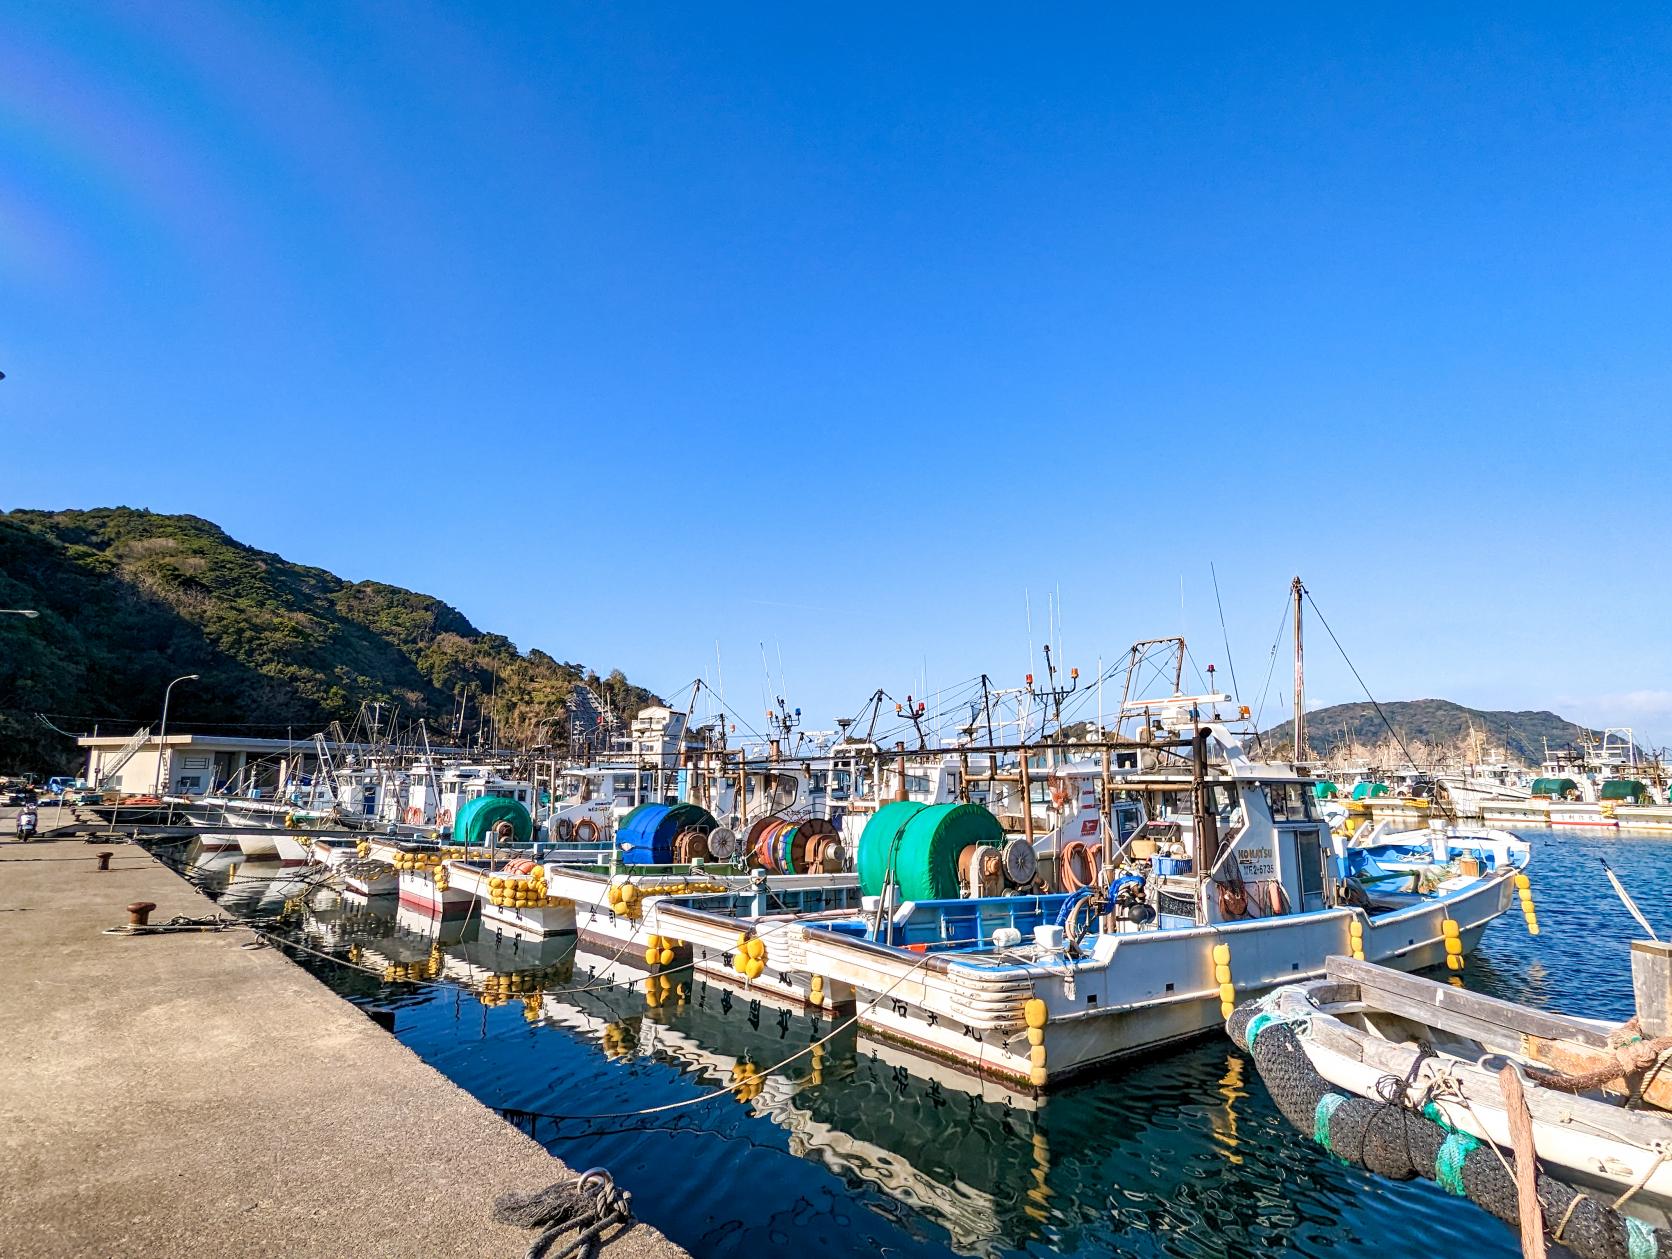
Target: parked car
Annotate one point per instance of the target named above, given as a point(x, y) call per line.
point(88, 796)
point(13, 797)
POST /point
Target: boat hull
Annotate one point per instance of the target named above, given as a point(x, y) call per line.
point(1139, 992)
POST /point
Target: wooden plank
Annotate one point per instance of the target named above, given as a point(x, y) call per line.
point(1526, 1164)
point(1428, 1017)
point(1651, 982)
point(1458, 1009)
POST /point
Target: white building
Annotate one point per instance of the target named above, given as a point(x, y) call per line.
point(193, 763)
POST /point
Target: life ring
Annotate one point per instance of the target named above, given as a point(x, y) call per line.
point(1061, 793)
point(1076, 853)
point(414, 816)
point(586, 830)
point(565, 829)
point(1233, 900)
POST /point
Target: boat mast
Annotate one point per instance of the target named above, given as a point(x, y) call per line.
point(1300, 679)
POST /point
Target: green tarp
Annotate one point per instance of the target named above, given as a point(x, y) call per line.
point(479, 816)
point(1627, 789)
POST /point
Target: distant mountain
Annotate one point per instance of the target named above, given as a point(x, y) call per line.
point(130, 599)
point(1430, 725)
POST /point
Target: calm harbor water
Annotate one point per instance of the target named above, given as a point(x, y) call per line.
point(854, 1150)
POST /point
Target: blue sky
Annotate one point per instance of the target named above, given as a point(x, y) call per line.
point(634, 330)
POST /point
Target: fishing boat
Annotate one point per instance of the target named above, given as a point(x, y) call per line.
point(1409, 1076)
point(999, 959)
point(1602, 784)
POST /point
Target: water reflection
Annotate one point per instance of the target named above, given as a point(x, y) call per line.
point(852, 1147)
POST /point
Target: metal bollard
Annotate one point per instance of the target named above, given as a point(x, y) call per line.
point(139, 913)
point(104, 860)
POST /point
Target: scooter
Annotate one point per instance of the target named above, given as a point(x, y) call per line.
point(27, 822)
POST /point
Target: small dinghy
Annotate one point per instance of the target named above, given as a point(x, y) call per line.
point(1534, 1116)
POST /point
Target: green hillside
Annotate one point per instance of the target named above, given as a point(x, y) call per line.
point(129, 599)
point(1434, 724)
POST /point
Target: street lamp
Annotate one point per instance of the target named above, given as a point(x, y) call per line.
point(162, 735)
point(28, 612)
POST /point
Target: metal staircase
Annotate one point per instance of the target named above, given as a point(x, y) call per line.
point(127, 752)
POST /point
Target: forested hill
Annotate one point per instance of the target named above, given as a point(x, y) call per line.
point(130, 599)
point(1435, 724)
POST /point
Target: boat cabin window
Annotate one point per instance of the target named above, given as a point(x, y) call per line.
point(917, 785)
point(1222, 798)
point(1312, 850)
point(1160, 832)
point(783, 789)
point(1290, 802)
point(1127, 817)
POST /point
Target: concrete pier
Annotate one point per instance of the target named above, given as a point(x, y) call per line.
point(180, 1095)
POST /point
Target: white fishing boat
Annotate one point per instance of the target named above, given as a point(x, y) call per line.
point(1232, 886)
point(1602, 784)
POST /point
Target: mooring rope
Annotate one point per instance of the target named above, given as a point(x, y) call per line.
point(752, 1077)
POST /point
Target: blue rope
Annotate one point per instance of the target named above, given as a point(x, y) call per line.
point(1327, 1106)
point(1641, 1242)
point(1258, 1024)
point(1448, 1163)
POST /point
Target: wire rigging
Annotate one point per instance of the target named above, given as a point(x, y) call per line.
point(1231, 664)
point(1380, 712)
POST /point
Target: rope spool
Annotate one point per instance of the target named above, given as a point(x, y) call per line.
point(783, 846)
point(691, 844)
point(1021, 863)
point(786, 849)
point(764, 848)
point(752, 839)
point(565, 829)
point(990, 871)
point(818, 847)
point(722, 843)
point(586, 831)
